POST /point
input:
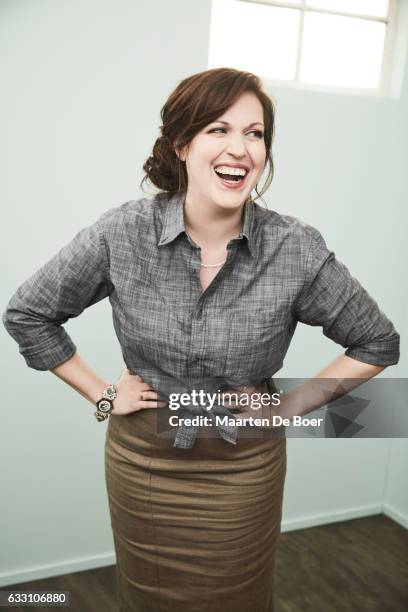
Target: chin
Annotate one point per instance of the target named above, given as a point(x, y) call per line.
point(230, 200)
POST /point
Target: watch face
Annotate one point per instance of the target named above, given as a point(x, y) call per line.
point(110, 392)
point(104, 405)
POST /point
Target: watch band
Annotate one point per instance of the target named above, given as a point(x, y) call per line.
point(105, 403)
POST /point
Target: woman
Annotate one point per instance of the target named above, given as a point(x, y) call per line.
point(206, 289)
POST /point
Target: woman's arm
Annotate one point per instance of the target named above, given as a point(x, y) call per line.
point(333, 381)
point(76, 373)
point(132, 392)
point(75, 278)
point(333, 299)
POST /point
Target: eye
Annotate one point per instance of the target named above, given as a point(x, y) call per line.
point(258, 133)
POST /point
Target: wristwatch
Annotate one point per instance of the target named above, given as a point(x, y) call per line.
point(105, 403)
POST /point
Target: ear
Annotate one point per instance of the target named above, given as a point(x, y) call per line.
point(181, 153)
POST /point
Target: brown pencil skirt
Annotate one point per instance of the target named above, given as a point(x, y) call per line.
point(195, 530)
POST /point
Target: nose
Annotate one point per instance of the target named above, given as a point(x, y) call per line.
point(236, 145)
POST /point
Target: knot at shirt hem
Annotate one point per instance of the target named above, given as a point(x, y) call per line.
point(186, 435)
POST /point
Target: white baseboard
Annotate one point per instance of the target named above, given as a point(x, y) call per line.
point(57, 569)
point(345, 515)
point(396, 515)
point(330, 517)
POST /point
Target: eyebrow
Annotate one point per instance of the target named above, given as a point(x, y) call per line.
point(248, 126)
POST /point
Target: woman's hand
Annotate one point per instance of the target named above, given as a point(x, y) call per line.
point(134, 394)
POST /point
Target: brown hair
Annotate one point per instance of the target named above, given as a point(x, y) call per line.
point(197, 101)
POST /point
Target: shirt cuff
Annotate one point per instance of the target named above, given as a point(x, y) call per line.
point(378, 355)
point(48, 357)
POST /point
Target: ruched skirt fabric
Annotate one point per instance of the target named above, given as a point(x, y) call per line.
point(195, 530)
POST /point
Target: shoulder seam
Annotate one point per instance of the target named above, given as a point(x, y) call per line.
point(102, 244)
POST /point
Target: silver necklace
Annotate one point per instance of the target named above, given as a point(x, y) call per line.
point(212, 265)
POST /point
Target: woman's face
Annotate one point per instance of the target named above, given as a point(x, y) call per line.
point(234, 139)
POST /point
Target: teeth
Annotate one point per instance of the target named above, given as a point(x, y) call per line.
point(229, 170)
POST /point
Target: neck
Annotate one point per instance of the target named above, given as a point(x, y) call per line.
point(212, 225)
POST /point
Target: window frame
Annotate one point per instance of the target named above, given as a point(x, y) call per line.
point(384, 87)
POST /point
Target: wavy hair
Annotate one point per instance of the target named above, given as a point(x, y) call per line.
point(197, 101)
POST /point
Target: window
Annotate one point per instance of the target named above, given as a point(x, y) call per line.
point(342, 45)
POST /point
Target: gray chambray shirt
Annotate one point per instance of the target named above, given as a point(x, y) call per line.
point(174, 335)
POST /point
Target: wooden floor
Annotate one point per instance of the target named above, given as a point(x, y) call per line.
point(356, 566)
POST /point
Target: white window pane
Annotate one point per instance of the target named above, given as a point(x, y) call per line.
point(342, 51)
point(373, 8)
point(254, 37)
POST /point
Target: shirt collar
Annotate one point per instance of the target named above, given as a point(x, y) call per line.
point(173, 222)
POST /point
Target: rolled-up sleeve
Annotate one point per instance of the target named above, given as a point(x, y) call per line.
point(75, 278)
point(333, 299)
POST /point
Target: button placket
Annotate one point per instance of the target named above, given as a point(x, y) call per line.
point(196, 335)
point(197, 338)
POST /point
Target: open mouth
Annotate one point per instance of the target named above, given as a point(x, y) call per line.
point(233, 177)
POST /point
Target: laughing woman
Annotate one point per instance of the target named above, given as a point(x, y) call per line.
point(206, 288)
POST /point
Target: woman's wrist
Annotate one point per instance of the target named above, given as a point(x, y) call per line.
point(291, 405)
point(76, 373)
point(96, 391)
